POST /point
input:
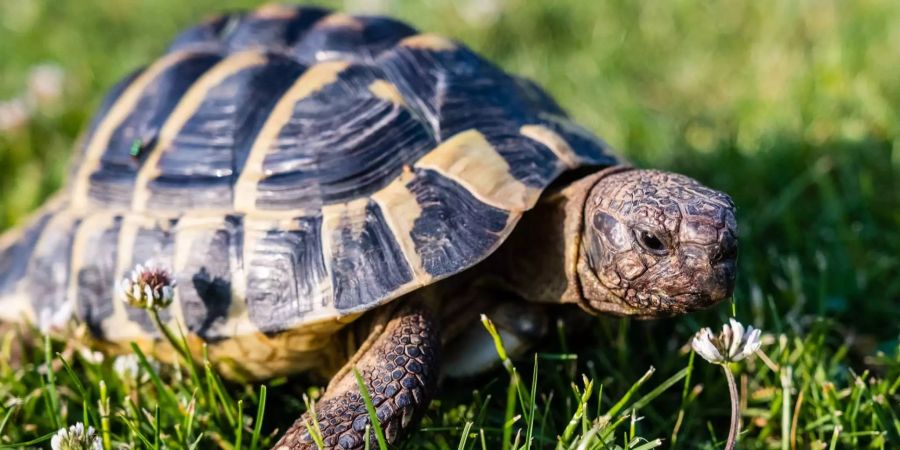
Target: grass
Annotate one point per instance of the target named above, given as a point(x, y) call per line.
point(792, 107)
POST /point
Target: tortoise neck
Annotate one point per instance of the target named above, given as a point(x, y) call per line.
point(539, 261)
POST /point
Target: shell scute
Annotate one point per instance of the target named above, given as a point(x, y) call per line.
point(111, 165)
point(207, 253)
point(366, 262)
point(455, 91)
point(454, 229)
point(94, 254)
point(285, 274)
point(269, 27)
point(204, 154)
point(349, 38)
point(341, 143)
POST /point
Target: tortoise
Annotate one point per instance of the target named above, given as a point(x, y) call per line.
point(334, 191)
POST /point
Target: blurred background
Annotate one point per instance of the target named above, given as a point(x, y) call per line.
point(792, 107)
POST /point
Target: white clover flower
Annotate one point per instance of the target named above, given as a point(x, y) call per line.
point(732, 345)
point(481, 13)
point(128, 367)
point(76, 437)
point(14, 114)
point(91, 356)
point(150, 286)
point(54, 318)
point(45, 84)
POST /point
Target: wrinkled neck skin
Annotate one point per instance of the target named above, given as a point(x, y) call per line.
point(541, 260)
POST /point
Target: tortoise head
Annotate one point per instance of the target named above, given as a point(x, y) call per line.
point(656, 244)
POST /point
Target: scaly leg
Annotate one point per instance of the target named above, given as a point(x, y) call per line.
point(399, 364)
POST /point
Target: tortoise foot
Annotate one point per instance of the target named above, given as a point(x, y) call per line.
point(400, 368)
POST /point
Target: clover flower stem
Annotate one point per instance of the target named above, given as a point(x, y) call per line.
point(167, 333)
point(104, 416)
point(735, 409)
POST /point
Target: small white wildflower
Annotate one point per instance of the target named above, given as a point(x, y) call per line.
point(482, 13)
point(128, 367)
point(45, 84)
point(733, 344)
point(150, 286)
point(14, 114)
point(76, 437)
point(53, 318)
point(91, 356)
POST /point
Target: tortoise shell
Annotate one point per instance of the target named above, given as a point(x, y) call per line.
point(292, 166)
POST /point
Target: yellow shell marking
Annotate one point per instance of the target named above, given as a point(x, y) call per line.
point(338, 217)
point(428, 41)
point(315, 78)
point(470, 160)
point(12, 236)
point(554, 142)
point(114, 117)
point(274, 11)
point(340, 20)
point(335, 218)
point(59, 226)
point(186, 109)
point(400, 210)
point(387, 91)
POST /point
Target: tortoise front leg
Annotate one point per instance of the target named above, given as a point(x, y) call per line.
point(399, 364)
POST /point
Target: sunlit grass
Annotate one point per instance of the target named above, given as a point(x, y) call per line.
point(801, 390)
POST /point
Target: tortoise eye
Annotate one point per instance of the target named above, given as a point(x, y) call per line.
point(651, 242)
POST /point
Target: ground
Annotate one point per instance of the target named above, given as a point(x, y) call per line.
point(792, 107)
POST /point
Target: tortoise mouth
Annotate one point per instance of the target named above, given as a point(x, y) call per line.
point(663, 305)
point(650, 306)
point(705, 293)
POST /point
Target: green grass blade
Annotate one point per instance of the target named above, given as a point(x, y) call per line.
point(315, 431)
point(50, 386)
point(464, 437)
point(370, 408)
point(582, 397)
point(167, 395)
point(187, 425)
point(5, 420)
point(157, 429)
point(34, 441)
point(509, 413)
point(664, 386)
point(627, 397)
point(220, 393)
point(239, 430)
point(74, 377)
point(260, 413)
point(648, 445)
point(532, 407)
point(103, 406)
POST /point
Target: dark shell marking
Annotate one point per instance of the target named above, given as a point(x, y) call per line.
point(292, 166)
